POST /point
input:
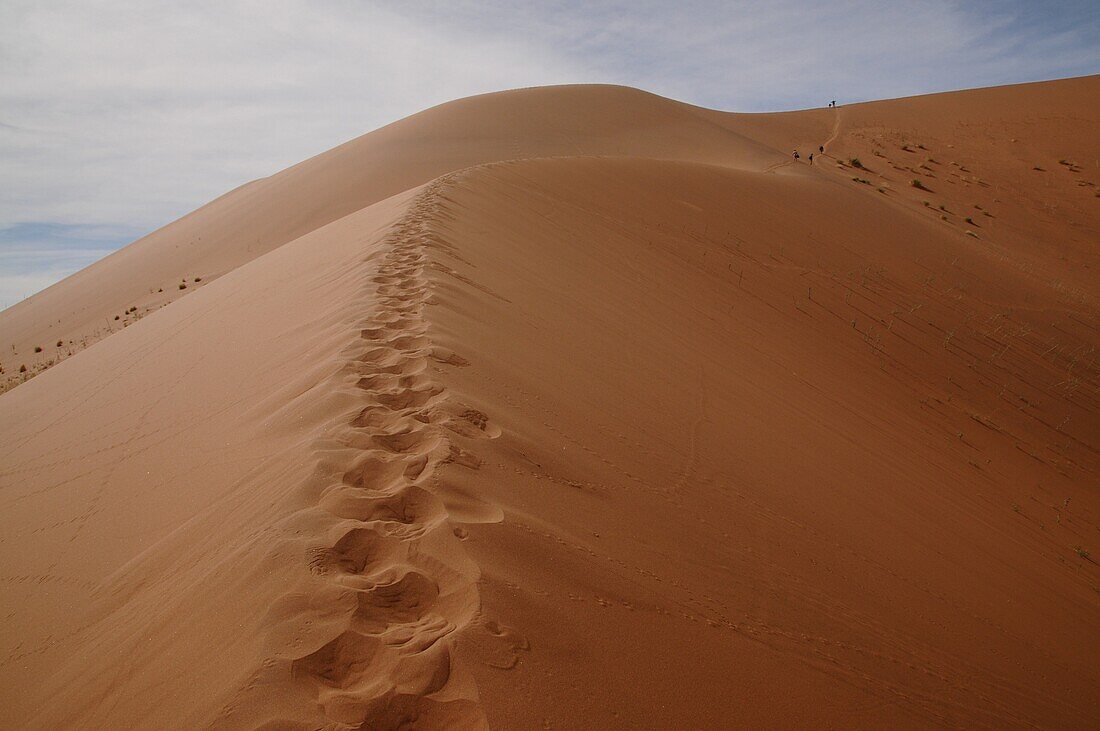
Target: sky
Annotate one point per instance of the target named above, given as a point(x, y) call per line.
point(118, 116)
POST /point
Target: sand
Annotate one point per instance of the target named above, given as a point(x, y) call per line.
point(578, 407)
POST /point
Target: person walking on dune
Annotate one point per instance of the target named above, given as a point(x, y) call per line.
point(796, 154)
point(811, 158)
point(821, 149)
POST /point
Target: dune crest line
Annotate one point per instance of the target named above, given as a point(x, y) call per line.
point(393, 569)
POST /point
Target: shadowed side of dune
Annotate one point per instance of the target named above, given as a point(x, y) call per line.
point(755, 465)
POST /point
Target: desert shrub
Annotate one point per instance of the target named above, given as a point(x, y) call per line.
point(38, 348)
point(917, 184)
point(183, 285)
point(59, 343)
point(854, 162)
point(23, 368)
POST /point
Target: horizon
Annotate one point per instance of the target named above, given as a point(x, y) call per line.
point(108, 136)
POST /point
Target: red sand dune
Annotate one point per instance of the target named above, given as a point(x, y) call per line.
point(578, 407)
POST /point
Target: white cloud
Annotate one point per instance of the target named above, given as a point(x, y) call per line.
point(138, 112)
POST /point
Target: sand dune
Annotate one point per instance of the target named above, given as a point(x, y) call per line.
point(580, 408)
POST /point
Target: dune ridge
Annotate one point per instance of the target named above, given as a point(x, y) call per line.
point(397, 582)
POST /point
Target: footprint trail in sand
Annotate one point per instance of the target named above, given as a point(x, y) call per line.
point(392, 585)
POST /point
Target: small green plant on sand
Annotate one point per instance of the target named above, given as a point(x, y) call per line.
point(1080, 552)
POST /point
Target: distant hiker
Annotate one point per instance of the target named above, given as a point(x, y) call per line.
point(811, 158)
point(796, 154)
point(821, 149)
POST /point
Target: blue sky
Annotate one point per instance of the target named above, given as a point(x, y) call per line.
point(118, 116)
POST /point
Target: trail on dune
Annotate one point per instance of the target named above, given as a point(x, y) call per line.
point(397, 582)
point(836, 129)
point(775, 166)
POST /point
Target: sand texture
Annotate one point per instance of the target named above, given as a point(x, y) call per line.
point(578, 407)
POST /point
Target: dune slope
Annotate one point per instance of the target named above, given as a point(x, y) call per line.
point(267, 213)
point(604, 417)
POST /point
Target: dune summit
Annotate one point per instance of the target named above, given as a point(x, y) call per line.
point(578, 407)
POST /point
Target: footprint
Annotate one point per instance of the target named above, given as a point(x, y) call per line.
point(374, 474)
point(474, 424)
point(410, 441)
point(342, 661)
point(410, 505)
point(361, 549)
point(409, 398)
point(445, 355)
point(404, 601)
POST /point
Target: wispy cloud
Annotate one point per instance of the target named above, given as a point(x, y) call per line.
point(129, 113)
